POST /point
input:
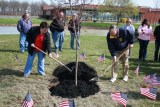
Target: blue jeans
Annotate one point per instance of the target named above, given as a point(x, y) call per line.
point(157, 46)
point(23, 44)
point(73, 35)
point(58, 39)
point(40, 65)
point(143, 49)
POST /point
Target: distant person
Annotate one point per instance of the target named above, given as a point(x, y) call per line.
point(130, 28)
point(145, 32)
point(57, 30)
point(24, 24)
point(119, 41)
point(37, 36)
point(157, 42)
point(74, 31)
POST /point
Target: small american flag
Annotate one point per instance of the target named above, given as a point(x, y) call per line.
point(16, 57)
point(149, 78)
point(120, 98)
point(101, 58)
point(155, 81)
point(67, 103)
point(28, 102)
point(149, 92)
point(136, 71)
point(83, 56)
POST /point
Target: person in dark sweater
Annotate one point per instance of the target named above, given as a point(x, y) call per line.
point(119, 41)
point(157, 42)
point(57, 30)
point(37, 36)
point(74, 31)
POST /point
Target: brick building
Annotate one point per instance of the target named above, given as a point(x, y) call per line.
point(90, 12)
point(151, 14)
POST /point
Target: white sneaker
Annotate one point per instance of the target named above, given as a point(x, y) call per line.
point(113, 79)
point(56, 55)
point(125, 78)
point(26, 75)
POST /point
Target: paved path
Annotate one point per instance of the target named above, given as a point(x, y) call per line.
point(91, 32)
point(84, 31)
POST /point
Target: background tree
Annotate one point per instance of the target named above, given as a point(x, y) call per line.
point(24, 6)
point(35, 8)
point(14, 6)
point(3, 6)
point(119, 8)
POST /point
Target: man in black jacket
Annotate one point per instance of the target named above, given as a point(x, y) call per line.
point(119, 41)
point(74, 28)
point(37, 36)
point(157, 42)
point(57, 30)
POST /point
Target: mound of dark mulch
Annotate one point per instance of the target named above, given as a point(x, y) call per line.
point(67, 87)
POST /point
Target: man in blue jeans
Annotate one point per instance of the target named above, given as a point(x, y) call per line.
point(37, 36)
point(24, 24)
point(57, 30)
point(74, 31)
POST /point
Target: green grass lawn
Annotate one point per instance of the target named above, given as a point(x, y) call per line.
point(13, 87)
point(13, 21)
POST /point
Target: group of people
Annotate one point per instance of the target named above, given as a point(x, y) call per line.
point(36, 40)
point(119, 40)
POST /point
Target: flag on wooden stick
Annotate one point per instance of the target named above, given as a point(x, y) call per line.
point(83, 56)
point(120, 98)
point(67, 103)
point(149, 92)
point(136, 71)
point(101, 58)
point(28, 102)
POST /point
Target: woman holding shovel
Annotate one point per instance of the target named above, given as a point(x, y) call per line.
point(37, 36)
point(119, 41)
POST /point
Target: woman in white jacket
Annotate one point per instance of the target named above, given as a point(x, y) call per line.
point(145, 32)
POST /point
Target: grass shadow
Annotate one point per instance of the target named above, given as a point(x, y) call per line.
point(17, 51)
point(145, 67)
point(6, 71)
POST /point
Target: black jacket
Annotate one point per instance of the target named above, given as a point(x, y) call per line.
point(57, 25)
point(122, 41)
point(31, 37)
point(71, 25)
point(157, 33)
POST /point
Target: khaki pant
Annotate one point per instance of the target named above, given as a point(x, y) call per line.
point(125, 63)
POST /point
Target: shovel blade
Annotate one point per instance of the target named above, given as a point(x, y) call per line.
point(95, 79)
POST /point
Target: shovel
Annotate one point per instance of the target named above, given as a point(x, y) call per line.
point(53, 58)
point(104, 71)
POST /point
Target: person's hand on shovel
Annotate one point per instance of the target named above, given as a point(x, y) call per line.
point(130, 45)
point(114, 58)
point(50, 55)
point(32, 45)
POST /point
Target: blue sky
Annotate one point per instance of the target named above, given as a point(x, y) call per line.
point(149, 3)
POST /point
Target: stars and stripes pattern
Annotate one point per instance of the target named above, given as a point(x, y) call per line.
point(120, 98)
point(136, 71)
point(28, 102)
point(67, 103)
point(152, 80)
point(83, 56)
point(149, 92)
point(101, 58)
